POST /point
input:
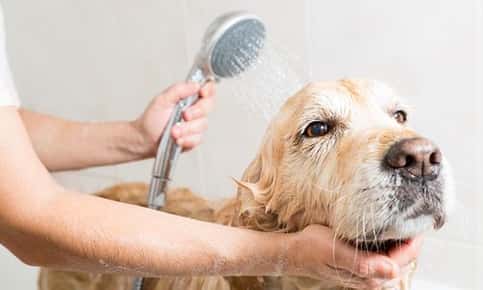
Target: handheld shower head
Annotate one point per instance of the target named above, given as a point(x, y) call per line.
point(231, 44)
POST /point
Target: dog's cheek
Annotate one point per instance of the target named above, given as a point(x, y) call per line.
point(344, 163)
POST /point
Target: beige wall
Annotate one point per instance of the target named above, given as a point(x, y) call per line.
point(103, 60)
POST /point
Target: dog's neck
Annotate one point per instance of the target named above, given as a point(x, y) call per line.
point(248, 212)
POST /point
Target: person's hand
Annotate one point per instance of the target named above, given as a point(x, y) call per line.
point(315, 253)
point(187, 134)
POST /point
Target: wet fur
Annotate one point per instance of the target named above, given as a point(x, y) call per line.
point(294, 182)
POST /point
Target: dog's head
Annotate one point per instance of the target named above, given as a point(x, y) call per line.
point(341, 154)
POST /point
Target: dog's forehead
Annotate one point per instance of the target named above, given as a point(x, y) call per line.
point(336, 95)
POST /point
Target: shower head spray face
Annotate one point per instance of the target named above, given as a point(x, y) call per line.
point(231, 44)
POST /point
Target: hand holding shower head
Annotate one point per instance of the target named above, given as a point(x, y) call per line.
point(231, 44)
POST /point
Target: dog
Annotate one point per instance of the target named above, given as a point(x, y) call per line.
point(339, 154)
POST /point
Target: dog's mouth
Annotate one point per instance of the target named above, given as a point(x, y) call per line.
point(384, 246)
point(417, 200)
point(415, 210)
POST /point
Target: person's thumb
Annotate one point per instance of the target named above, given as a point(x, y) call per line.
point(180, 91)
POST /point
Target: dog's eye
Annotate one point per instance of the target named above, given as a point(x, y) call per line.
point(316, 129)
point(400, 116)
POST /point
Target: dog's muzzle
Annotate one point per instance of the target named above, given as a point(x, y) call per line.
point(417, 163)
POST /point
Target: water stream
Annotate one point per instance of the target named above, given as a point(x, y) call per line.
point(264, 86)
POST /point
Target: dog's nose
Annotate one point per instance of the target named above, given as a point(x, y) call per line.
point(417, 156)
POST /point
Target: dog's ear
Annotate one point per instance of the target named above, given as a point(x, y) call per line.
point(259, 185)
point(260, 179)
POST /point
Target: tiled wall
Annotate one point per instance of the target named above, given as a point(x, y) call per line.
point(103, 60)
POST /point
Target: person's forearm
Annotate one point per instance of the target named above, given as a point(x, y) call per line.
point(44, 225)
point(115, 237)
point(64, 145)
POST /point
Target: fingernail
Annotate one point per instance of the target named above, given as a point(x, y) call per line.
point(180, 141)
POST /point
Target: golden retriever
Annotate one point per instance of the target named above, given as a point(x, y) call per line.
point(338, 154)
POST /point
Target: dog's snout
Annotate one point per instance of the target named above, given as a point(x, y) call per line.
point(417, 156)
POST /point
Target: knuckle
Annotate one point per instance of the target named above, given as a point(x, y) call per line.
point(178, 88)
point(181, 88)
point(180, 85)
point(174, 87)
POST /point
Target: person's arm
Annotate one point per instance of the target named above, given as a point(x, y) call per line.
point(63, 144)
point(45, 225)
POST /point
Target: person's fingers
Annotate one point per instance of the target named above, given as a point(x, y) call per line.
point(380, 284)
point(362, 264)
point(343, 278)
point(350, 282)
point(200, 109)
point(208, 90)
point(180, 91)
point(346, 279)
point(189, 142)
point(406, 252)
point(204, 105)
point(185, 129)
